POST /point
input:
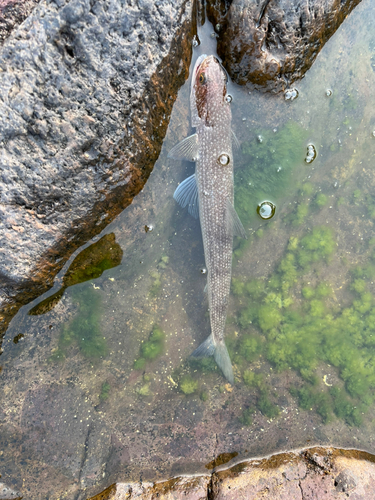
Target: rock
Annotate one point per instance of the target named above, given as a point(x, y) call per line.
point(8, 494)
point(12, 14)
point(271, 44)
point(286, 476)
point(189, 488)
point(345, 482)
point(86, 91)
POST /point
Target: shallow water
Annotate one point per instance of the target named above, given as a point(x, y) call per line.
point(97, 386)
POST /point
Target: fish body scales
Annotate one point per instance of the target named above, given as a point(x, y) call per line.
point(215, 188)
point(209, 193)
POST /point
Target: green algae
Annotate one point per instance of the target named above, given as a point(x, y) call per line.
point(145, 390)
point(204, 396)
point(314, 399)
point(246, 418)
point(321, 200)
point(89, 264)
point(105, 391)
point(266, 406)
point(155, 284)
point(268, 166)
point(305, 334)
point(151, 348)
point(300, 214)
point(205, 365)
point(328, 403)
point(84, 329)
point(188, 385)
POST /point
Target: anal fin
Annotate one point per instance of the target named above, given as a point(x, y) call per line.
point(235, 142)
point(233, 221)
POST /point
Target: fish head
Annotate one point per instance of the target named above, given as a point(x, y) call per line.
point(208, 91)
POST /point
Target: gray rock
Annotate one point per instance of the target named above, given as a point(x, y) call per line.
point(8, 494)
point(271, 44)
point(86, 91)
point(345, 481)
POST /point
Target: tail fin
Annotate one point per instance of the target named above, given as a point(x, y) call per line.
point(220, 353)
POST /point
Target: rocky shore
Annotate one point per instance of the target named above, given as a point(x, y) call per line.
point(310, 474)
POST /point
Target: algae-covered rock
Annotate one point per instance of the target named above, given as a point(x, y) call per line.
point(314, 473)
point(89, 264)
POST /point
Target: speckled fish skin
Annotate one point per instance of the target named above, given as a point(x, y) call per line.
point(209, 192)
point(215, 187)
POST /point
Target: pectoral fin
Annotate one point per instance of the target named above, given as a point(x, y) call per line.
point(186, 194)
point(233, 221)
point(186, 149)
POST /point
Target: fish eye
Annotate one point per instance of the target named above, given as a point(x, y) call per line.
point(202, 78)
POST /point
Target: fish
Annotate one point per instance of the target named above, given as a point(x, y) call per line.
point(209, 194)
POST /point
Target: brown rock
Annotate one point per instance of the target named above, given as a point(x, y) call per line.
point(270, 44)
point(313, 474)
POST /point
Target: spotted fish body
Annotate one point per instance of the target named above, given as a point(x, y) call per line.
point(209, 194)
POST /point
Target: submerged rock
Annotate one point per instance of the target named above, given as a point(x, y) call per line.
point(271, 44)
point(89, 264)
point(86, 92)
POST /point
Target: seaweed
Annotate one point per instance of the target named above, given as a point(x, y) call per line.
point(320, 200)
point(264, 404)
point(204, 396)
point(155, 284)
point(188, 385)
point(151, 348)
point(84, 329)
point(246, 418)
point(104, 392)
point(89, 264)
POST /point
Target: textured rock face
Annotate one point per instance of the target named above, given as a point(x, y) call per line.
point(86, 91)
point(272, 43)
point(13, 13)
point(312, 474)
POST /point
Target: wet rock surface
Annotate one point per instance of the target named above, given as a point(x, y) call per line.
point(312, 474)
point(86, 92)
point(271, 44)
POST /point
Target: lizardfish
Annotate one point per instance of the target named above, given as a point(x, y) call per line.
point(208, 194)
